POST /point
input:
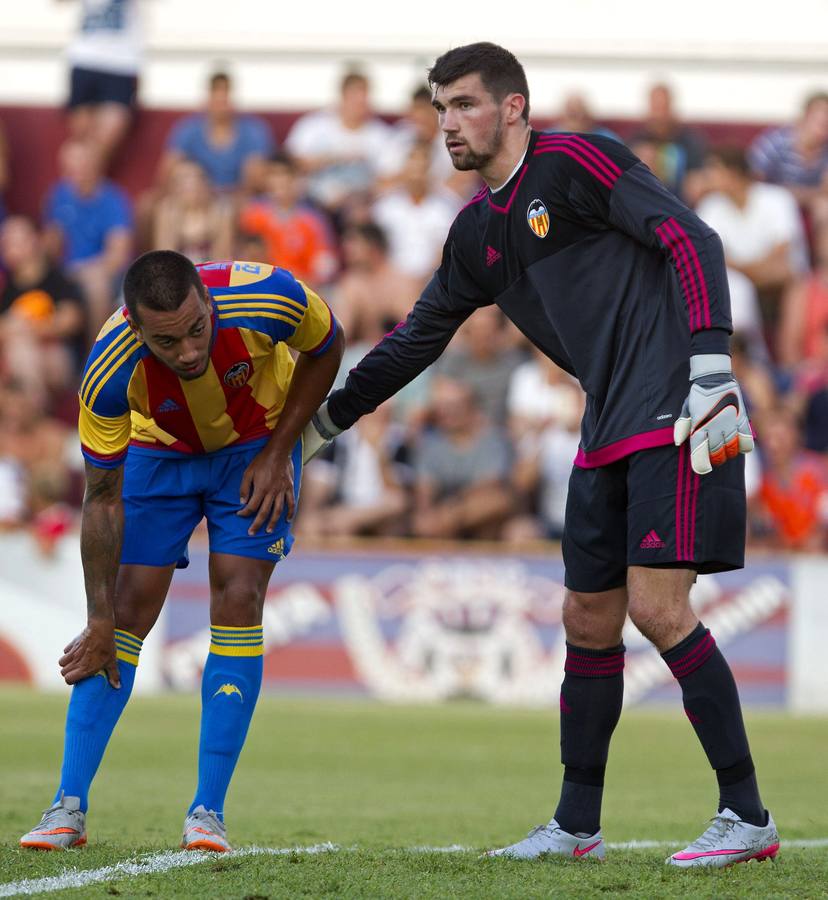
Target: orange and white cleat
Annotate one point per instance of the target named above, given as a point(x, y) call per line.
point(62, 827)
point(204, 830)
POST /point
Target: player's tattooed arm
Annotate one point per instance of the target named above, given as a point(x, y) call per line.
point(102, 526)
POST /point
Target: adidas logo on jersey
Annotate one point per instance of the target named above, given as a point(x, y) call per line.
point(492, 256)
point(651, 541)
point(169, 405)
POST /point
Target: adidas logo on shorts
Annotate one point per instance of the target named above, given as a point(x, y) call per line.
point(651, 541)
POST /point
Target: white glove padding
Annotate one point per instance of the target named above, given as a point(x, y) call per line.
point(713, 415)
point(318, 433)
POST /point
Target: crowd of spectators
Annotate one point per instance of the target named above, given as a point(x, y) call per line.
point(481, 445)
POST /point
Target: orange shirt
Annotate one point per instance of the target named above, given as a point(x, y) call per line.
point(297, 240)
point(795, 506)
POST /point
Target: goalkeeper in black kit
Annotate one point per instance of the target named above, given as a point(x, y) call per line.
point(624, 287)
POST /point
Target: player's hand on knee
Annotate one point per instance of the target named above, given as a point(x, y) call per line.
point(318, 433)
point(713, 416)
point(92, 651)
point(267, 489)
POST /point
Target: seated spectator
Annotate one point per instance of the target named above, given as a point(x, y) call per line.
point(746, 315)
point(419, 125)
point(42, 313)
point(539, 395)
point(230, 147)
point(191, 218)
point(793, 495)
point(372, 295)
point(360, 490)
point(461, 469)
point(759, 224)
point(804, 315)
point(105, 56)
point(89, 228)
point(577, 117)
point(482, 357)
point(543, 466)
point(296, 236)
point(754, 377)
point(33, 446)
point(796, 156)
point(339, 148)
point(678, 151)
point(416, 217)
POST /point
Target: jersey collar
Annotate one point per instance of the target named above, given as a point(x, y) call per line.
point(532, 138)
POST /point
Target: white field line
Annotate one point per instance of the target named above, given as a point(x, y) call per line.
point(158, 863)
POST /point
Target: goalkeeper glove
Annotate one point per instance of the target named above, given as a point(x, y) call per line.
point(318, 433)
point(713, 415)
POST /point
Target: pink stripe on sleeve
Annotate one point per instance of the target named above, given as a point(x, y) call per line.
point(699, 271)
point(688, 281)
point(578, 158)
point(588, 150)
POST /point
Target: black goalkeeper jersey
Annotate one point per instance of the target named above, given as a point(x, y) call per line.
point(599, 265)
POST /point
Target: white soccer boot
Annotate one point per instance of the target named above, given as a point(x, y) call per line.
point(729, 840)
point(204, 830)
point(62, 826)
point(552, 839)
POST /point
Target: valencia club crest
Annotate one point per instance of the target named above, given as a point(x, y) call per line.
point(236, 376)
point(538, 218)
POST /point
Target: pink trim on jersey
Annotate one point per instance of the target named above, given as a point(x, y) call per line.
point(699, 271)
point(682, 260)
point(508, 206)
point(575, 153)
point(589, 150)
point(591, 459)
point(480, 195)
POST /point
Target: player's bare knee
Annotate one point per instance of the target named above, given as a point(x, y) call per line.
point(238, 602)
point(659, 605)
point(589, 623)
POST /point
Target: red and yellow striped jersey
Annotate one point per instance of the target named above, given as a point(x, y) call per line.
point(127, 396)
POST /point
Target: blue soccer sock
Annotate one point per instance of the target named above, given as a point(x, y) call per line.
point(94, 710)
point(229, 690)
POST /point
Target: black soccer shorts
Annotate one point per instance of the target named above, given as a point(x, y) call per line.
point(652, 509)
point(90, 87)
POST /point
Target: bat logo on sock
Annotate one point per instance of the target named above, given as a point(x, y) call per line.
point(229, 690)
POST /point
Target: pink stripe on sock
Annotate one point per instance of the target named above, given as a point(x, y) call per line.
point(695, 658)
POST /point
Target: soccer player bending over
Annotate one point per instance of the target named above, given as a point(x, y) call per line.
point(623, 286)
point(190, 406)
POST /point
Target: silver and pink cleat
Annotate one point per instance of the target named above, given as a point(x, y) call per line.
point(729, 840)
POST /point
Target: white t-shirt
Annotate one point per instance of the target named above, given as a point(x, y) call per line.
point(359, 149)
point(416, 231)
point(558, 448)
point(533, 397)
point(745, 313)
point(770, 217)
point(110, 37)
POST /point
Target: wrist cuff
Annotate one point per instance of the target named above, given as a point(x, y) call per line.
point(709, 364)
point(324, 424)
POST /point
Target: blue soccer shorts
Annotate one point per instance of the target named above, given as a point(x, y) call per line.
point(165, 497)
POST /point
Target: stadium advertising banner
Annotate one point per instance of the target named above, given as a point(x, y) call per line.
point(404, 626)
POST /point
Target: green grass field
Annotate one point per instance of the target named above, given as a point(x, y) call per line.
point(381, 781)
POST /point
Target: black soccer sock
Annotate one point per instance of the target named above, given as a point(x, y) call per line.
point(711, 702)
point(591, 697)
